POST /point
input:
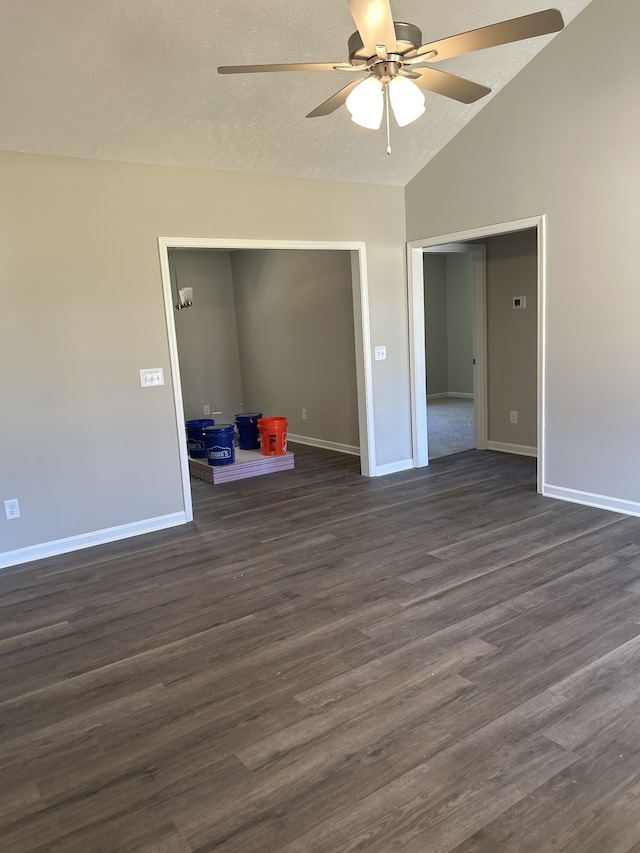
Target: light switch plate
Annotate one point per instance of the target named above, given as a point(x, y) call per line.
point(380, 353)
point(151, 376)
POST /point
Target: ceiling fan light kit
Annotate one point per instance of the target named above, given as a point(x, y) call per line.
point(366, 102)
point(399, 68)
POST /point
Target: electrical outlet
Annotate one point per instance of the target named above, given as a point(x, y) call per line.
point(207, 410)
point(11, 509)
point(304, 414)
point(513, 417)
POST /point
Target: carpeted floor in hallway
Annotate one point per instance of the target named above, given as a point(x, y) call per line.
point(449, 426)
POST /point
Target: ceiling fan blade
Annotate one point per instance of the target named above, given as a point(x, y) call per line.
point(450, 85)
point(291, 66)
point(516, 29)
point(427, 56)
point(374, 22)
point(335, 101)
point(347, 66)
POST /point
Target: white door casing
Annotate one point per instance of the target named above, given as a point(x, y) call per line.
point(361, 328)
point(417, 356)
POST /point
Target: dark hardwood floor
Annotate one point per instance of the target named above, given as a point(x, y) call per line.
point(438, 660)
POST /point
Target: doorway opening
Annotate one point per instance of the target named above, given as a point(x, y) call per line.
point(485, 419)
point(361, 337)
point(456, 411)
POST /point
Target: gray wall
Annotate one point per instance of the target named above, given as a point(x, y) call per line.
point(512, 337)
point(459, 328)
point(435, 317)
point(562, 140)
point(448, 323)
point(296, 333)
point(83, 311)
point(206, 334)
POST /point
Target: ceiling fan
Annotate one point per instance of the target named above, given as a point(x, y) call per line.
point(398, 67)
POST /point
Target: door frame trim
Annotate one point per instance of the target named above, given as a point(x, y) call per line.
point(360, 293)
point(417, 358)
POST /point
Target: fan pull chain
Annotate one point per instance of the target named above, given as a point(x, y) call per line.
point(386, 97)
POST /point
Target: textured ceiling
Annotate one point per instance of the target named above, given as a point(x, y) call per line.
point(137, 81)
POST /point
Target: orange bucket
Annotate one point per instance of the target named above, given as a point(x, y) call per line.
point(273, 436)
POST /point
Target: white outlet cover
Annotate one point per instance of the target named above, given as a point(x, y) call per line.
point(11, 509)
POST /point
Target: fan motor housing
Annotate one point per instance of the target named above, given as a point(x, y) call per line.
point(408, 36)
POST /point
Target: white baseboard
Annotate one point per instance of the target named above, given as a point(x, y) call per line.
point(589, 499)
point(88, 540)
point(379, 471)
point(518, 449)
point(393, 467)
point(326, 445)
point(443, 394)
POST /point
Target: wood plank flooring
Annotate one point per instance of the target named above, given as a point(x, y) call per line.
point(438, 660)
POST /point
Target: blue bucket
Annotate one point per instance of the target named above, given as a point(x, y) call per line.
point(248, 437)
point(196, 447)
point(220, 445)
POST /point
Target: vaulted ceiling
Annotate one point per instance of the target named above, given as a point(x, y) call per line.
point(137, 82)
